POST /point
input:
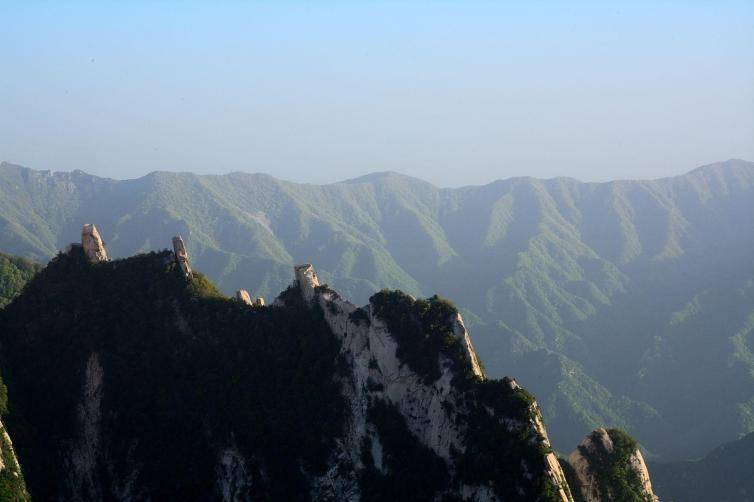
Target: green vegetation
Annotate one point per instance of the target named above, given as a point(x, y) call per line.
point(359, 316)
point(497, 451)
point(188, 371)
point(12, 485)
point(615, 476)
point(15, 272)
point(423, 331)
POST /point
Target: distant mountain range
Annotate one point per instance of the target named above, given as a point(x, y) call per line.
point(623, 304)
point(723, 475)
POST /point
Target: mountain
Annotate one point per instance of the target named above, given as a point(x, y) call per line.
point(136, 379)
point(723, 475)
point(618, 304)
point(608, 465)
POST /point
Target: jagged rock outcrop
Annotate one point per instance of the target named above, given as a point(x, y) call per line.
point(607, 465)
point(243, 296)
point(169, 391)
point(307, 279)
point(92, 243)
point(459, 330)
point(379, 375)
point(181, 256)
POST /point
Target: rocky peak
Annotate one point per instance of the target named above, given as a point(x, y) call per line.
point(243, 296)
point(311, 398)
point(459, 329)
point(607, 465)
point(92, 243)
point(307, 280)
point(437, 414)
point(181, 256)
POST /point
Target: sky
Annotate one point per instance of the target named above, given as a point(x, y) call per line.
point(456, 93)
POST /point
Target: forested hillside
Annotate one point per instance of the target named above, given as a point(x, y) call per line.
point(15, 272)
point(618, 304)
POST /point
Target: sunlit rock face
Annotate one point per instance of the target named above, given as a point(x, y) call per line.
point(598, 457)
point(92, 243)
point(243, 296)
point(181, 256)
point(379, 374)
point(307, 279)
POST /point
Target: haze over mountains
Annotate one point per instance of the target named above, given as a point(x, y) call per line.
point(628, 303)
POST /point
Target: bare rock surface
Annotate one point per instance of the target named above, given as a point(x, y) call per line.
point(92, 244)
point(243, 296)
point(372, 352)
point(181, 256)
point(599, 448)
point(307, 279)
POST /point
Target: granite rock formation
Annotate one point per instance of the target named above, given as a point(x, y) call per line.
point(596, 460)
point(181, 256)
point(243, 296)
point(92, 243)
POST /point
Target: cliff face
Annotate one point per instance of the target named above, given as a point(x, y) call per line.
point(131, 380)
point(607, 465)
point(439, 410)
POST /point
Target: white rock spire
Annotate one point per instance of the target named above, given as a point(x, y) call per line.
point(92, 243)
point(181, 256)
point(307, 280)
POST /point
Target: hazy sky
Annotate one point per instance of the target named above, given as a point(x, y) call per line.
point(452, 92)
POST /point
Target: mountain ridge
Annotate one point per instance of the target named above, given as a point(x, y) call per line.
point(338, 394)
point(560, 272)
point(168, 389)
point(382, 174)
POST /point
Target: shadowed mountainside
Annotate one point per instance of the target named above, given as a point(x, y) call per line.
point(129, 380)
point(723, 475)
point(618, 304)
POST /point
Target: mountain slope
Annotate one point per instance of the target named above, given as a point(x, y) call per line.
point(724, 475)
point(598, 281)
point(128, 381)
point(608, 465)
point(15, 272)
